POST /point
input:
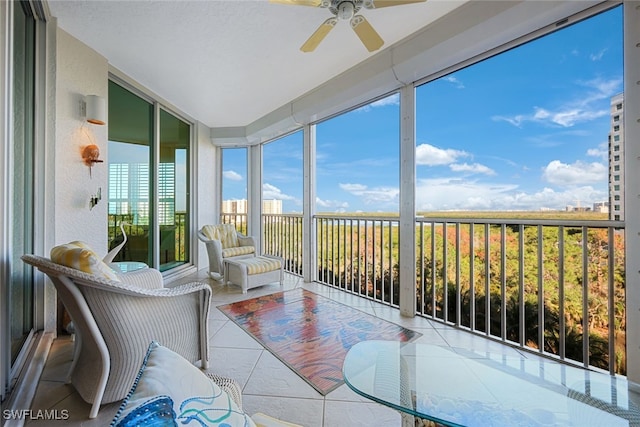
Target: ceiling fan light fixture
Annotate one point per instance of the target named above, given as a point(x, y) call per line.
point(346, 10)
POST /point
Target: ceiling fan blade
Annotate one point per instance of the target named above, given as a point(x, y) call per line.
point(377, 4)
point(368, 36)
point(314, 3)
point(322, 31)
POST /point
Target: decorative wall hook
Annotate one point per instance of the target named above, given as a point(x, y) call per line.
point(90, 155)
point(95, 198)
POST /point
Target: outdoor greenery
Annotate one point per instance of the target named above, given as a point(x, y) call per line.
point(527, 284)
point(487, 290)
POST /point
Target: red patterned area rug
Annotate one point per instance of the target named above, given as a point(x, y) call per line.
point(310, 333)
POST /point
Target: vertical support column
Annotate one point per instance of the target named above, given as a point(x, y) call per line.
point(632, 183)
point(218, 152)
point(407, 201)
point(309, 236)
point(5, 108)
point(254, 194)
point(154, 226)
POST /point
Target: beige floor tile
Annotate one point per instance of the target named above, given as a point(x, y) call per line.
point(271, 377)
point(236, 363)
point(356, 414)
point(305, 412)
point(231, 335)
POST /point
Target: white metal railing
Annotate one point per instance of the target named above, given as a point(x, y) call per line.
point(495, 277)
point(359, 255)
point(555, 287)
point(237, 219)
point(282, 236)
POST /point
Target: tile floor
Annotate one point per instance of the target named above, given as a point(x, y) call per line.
point(268, 385)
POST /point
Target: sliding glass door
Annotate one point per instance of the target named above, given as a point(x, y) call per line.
point(20, 301)
point(173, 191)
point(148, 181)
point(130, 183)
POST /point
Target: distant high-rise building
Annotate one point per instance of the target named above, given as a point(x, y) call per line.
point(234, 206)
point(272, 206)
point(616, 159)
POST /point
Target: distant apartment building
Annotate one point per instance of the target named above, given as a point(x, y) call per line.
point(272, 206)
point(601, 207)
point(234, 206)
point(616, 159)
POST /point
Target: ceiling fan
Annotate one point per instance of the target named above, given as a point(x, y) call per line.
point(346, 10)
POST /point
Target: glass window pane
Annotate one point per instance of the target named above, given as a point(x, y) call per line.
point(234, 188)
point(130, 141)
point(358, 159)
point(20, 302)
point(525, 130)
point(282, 175)
point(173, 191)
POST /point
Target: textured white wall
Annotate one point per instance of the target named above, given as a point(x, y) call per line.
point(80, 71)
point(206, 198)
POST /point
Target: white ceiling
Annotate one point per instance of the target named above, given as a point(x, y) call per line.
point(227, 63)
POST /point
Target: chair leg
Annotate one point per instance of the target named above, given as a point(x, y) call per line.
point(102, 384)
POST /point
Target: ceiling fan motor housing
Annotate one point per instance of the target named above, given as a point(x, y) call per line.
point(345, 9)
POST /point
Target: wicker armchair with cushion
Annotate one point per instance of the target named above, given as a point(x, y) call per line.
point(223, 241)
point(116, 317)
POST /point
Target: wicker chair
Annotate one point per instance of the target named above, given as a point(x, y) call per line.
point(223, 241)
point(116, 321)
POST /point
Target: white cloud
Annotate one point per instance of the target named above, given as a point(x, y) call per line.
point(455, 194)
point(566, 117)
point(430, 155)
point(579, 110)
point(353, 188)
point(598, 55)
point(335, 205)
point(373, 196)
point(272, 192)
point(389, 100)
point(454, 81)
point(472, 168)
point(601, 152)
point(232, 175)
point(578, 173)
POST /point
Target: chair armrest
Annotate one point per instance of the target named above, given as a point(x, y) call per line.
point(246, 240)
point(148, 278)
point(214, 252)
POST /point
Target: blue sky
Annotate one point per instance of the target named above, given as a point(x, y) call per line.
point(524, 130)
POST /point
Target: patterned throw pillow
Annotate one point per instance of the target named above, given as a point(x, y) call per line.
point(80, 256)
point(170, 391)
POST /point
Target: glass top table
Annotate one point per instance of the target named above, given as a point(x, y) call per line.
point(459, 387)
point(127, 266)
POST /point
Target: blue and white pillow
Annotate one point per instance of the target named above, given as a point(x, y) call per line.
point(170, 391)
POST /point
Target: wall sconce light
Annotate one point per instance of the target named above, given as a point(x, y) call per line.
point(95, 109)
point(90, 155)
point(95, 198)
